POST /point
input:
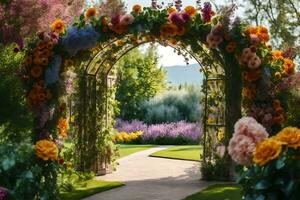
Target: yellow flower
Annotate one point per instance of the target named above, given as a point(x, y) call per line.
point(221, 134)
point(136, 8)
point(289, 136)
point(46, 149)
point(266, 151)
point(190, 10)
point(277, 55)
point(91, 12)
point(172, 9)
point(58, 26)
point(289, 66)
point(63, 125)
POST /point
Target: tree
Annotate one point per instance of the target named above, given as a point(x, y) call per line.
point(139, 79)
point(282, 16)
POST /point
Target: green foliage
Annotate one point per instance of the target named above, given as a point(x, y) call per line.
point(217, 169)
point(15, 120)
point(21, 174)
point(173, 106)
point(127, 149)
point(139, 78)
point(182, 152)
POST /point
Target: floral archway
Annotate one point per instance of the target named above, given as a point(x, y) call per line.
point(228, 50)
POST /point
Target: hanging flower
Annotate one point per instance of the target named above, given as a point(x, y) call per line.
point(136, 8)
point(206, 12)
point(191, 10)
point(126, 19)
point(289, 136)
point(58, 26)
point(277, 55)
point(46, 150)
point(266, 151)
point(90, 13)
point(168, 29)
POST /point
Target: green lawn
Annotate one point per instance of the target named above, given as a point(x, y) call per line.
point(91, 187)
point(184, 152)
point(218, 192)
point(127, 149)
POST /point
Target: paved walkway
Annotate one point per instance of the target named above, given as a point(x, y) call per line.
point(149, 178)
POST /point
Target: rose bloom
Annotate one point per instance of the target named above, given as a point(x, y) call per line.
point(136, 8)
point(266, 151)
point(289, 136)
point(168, 30)
point(46, 150)
point(241, 148)
point(191, 10)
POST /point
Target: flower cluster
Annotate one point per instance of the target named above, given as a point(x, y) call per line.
point(215, 37)
point(247, 133)
point(3, 193)
point(63, 126)
point(207, 12)
point(123, 137)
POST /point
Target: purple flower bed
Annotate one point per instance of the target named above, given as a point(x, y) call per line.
point(167, 133)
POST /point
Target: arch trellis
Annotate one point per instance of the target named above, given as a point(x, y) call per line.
point(235, 58)
point(105, 57)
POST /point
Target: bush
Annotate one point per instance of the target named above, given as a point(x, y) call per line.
point(173, 106)
point(163, 134)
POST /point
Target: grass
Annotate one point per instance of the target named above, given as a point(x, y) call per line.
point(218, 192)
point(127, 149)
point(183, 152)
point(90, 187)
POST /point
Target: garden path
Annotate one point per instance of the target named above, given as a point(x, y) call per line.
point(150, 178)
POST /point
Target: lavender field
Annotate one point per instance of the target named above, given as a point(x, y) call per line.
point(166, 133)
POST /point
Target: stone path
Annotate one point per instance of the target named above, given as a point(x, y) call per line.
point(149, 178)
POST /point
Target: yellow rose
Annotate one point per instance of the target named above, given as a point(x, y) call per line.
point(289, 136)
point(266, 151)
point(46, 149)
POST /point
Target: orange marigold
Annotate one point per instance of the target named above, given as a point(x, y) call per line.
point(266, 151)
point(190, 10)
point(58, 26)
point(90, 13)
point(289, 136)
point(137, 8)
point(277, 55)
point(172, 9)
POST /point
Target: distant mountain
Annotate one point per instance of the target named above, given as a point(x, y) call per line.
point(180, 74)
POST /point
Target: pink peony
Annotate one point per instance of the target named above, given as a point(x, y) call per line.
point(126, 19)
point(249, 127)
point(241, 148)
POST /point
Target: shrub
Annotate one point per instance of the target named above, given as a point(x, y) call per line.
point(166, 133)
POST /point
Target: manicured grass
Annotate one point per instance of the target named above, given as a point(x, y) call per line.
point(91, 187)
point(183, 152)
point(127, 149)
point(218, 192)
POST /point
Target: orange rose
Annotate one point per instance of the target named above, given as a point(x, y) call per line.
point(289, 136)
point(277, 55)
point(266, 151)
point(58, 26)
point(168, 30)
point(46, 150)
point(172, 9)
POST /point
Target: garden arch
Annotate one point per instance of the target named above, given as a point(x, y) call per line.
point(240, 54)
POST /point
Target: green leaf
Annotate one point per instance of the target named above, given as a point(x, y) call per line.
point(262, 185)
point(8, 163)
point(280, 163)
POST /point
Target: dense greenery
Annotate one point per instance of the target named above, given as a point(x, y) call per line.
point(218, 192)
point(15, 120)
point(139, 78)
point(173, 106)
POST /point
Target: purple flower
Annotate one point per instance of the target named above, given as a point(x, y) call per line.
point(3, 193)
point(206, 12)
point(186, 17)
point(176, 18)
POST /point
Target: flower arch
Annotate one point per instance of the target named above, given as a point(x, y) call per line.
point(228, 50)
